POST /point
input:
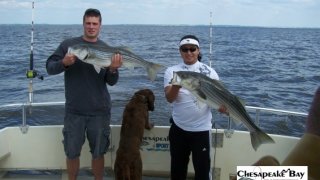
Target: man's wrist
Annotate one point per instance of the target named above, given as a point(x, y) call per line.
point(63, 64)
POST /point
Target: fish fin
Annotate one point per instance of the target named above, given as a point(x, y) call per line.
point(219, 84)
point(258, 138)
point(131, 68)
point(153, 69)
point(201, 94)
point(97, 68)
point(236, 122)
point(124, 47)
point(243, 102)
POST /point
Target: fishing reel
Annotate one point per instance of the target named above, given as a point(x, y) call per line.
point(33, 74)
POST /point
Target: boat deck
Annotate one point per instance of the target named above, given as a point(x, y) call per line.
point(36, 152)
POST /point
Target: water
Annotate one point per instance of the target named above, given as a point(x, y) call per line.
point(267, 67)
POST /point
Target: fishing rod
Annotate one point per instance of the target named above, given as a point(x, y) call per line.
point(31, 73)
point(211, 37)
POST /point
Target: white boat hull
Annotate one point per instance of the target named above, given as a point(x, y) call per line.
point(41, 148)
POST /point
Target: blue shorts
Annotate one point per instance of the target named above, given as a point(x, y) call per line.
point(77, 127)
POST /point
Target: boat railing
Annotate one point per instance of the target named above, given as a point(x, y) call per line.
point(273, 111)
point(256, 110)
point(24, 126)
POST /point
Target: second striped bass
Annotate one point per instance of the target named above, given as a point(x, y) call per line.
point(215, 95)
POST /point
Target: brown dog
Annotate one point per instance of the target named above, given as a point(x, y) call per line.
point(128, 164)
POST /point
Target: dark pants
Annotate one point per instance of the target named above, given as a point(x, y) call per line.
point(182, 144)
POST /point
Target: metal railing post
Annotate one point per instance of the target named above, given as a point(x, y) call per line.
point(24, 127)
point(228, 132)
point(258, 117)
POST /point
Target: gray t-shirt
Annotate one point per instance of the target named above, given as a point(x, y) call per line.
point(86, 91)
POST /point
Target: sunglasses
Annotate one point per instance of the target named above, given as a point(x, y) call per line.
point(185, 50)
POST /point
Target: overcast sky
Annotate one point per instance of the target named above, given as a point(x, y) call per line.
point(267, 13)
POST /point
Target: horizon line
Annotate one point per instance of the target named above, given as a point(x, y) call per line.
point(218, 25)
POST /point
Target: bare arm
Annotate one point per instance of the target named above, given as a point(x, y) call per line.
point(112, 74)
point(171, 92)
point(116, 62)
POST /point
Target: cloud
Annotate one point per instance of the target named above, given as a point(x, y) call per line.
point(13, 4)
point(279, 13)
point(225, 12)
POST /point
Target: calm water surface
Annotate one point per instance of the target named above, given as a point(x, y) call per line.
point(266, 67)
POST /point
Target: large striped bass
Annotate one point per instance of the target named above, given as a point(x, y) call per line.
point(215, 95)
point(100, 56)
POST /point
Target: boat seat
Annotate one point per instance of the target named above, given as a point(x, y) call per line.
point(4, 147)
point(4, 155)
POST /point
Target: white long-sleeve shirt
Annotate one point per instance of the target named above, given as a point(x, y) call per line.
point(187, 112)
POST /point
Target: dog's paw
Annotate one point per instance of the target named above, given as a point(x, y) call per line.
point(150, 126)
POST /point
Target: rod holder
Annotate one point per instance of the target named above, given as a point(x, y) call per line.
point(24, 127)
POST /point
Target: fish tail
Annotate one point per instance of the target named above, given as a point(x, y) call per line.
point(152, 70)
point(258, 138)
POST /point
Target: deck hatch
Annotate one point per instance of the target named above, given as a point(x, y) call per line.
point(216, 173)
point(217, 140)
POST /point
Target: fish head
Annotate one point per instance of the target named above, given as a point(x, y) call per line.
point(175, 79)
point(186, 80)
point(81, 51)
